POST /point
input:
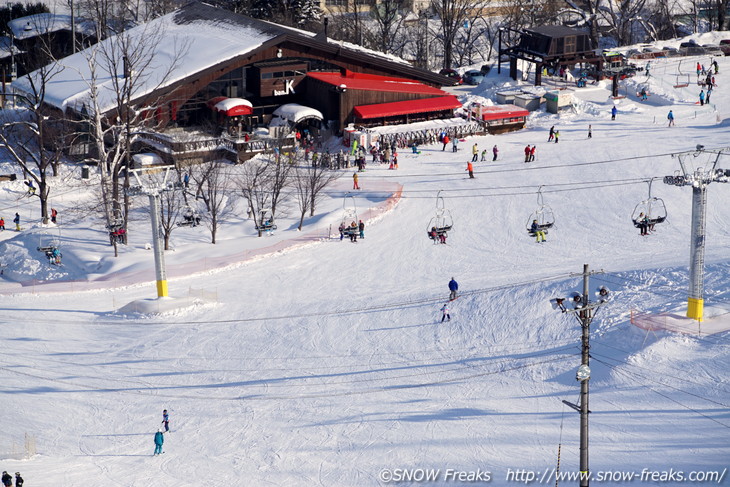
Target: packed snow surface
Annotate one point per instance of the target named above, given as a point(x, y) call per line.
point(298, 359)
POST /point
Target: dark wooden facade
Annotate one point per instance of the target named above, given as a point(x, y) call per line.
point(553, 46)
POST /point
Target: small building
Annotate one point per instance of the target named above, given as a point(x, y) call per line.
point(552, 46)
point(258, 67)
point(498, 119)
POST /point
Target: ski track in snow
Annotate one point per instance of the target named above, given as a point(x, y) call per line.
point(324, 362)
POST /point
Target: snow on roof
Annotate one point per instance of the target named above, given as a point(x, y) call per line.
point(209, 35)
point(295, 113)
point(44, 23)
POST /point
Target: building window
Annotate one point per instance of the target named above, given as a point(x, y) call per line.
point(570, 45)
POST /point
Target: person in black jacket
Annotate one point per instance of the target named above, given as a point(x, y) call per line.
point(7, 479)
point(18, 480)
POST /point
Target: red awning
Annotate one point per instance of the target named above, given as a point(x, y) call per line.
point(425, 105)
point(233, 107)
point(500, 112)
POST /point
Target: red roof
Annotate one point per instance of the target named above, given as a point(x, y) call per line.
point(498, 112)
point(373, 82)
point(407, 107)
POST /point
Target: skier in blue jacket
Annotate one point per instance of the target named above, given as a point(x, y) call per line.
point(453, 287)
point(159, 440)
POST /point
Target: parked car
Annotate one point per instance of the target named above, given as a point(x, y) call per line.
point(453, 74)
point(671, 51)
point(713, 50)
point(473, 77)
point(689, 43)
point(691, 50)
point(725, 46)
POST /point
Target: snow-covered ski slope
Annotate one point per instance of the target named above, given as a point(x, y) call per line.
point(325, 363)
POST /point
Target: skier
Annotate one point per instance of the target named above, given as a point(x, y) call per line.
point(557, 135)
point(474, 153)
point(714, 65)
point(643, 222)
point(2, 223)
point(56, 256)
point(54, 214)
point(552, 134)
point(16, 220)
point(702, 97)
point(590, 132)
point(539, 233)
point(470, 168)
point(354, 181)
point(532, 153)
point(414, 148)
point(495, 151)
point(699, 69)
point(445, 313)
point(18, 480)
point(446, 141)
point(614, 111)
point(484, 155)
point(166, 420)
point(643, 94)
point(159, 440)
point(670, 117)
point(454, 144)
point(527, 153)
point(453, 287)
point(342, 230)
point(353, 232)
point(361, 228)
point(7, 480)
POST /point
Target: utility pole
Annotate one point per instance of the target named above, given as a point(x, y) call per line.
point(698, 177)
point(584, 310)
point(153, 190)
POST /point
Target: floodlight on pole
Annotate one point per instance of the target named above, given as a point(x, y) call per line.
point(584, 310)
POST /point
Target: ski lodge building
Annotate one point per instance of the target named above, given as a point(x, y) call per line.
point(217, 84)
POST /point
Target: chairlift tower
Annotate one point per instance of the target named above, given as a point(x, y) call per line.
point(153, 189)
point(699, 177)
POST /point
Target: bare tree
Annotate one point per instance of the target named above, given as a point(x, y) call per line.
point(26, 140)
point(171, 204)
point(210, 181)
point(389, 17)
point(621, 19)
point(308, 183)
point(117, 75)
point(253, 185)
point(452, 14)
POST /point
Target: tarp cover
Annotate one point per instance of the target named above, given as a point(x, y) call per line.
point(295, 113)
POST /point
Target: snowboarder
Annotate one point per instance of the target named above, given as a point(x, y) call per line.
point(532, 153)
point(474, 153)
point(614, 111)
point(527, 153)
point(670, 117)
point(7, 479)
point(446, 141)
point(495, 151)
point(539, 233)
point(16, 220)
point(470, 168)
point(166, 420)
point(354, 181)
point(159, 440)
point(361, 228)
point(702, 97)
point(445, 313)
point(18, 480)
point(453, 287)
point(552, 134)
